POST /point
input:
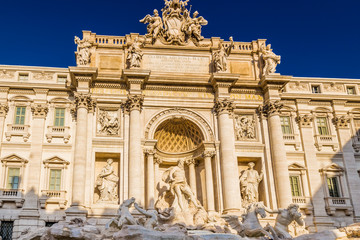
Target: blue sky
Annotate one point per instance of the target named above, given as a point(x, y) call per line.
point(315, 38)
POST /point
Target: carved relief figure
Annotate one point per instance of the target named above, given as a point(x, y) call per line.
point(220, 56)
point(108, 123)
point(155, 24)
point(245, 127)
point(83, 51)
point(249, 182)
point(135, 54)
point(107, 183)
point(270, 59)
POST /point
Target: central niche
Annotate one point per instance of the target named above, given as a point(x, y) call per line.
point(178, 135)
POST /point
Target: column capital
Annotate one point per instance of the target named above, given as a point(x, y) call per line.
point(341, 121)
point(208, 153)
point(271, 108)
point(4, 108)
point(224, 106)
point(134, 102)
point(305, 120)
point(157, 159)
point(84, 100)
point(150, 151)
point(39, 110)
point(190, 161)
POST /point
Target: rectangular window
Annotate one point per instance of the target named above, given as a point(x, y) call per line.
point(350, 90)
point(6, 230)
point(285, 125)
point(357, 126)
point(322, 126)
point(55, 179)
point(333, 186)
point(13, 178)
point(295, 186)
point(23, 77)
point(59, 117)
point(61, 79)
point(315, 89)
point(20, 115)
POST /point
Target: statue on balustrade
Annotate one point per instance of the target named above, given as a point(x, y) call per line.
point(135, 54)
point(192, 26)
point(249, 183)
point(270, 59)
point(220, 56)
point(155, 25)
point(107, 182)
point(83, 51)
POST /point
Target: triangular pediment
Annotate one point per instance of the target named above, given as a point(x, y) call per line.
point(56, 160)
point(14, 158)
point(296, 166)
point(333, 168)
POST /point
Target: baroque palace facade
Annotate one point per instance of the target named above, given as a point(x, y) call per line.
point(146, 101)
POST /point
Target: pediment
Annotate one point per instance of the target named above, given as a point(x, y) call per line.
point(14, 158)
point(57, 161)
point(296, 166)
point(333, 168)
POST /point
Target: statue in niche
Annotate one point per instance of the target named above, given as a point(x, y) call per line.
point(155, 24)
point(108, 124)
point(220, 56)
point(83, 51)
point(192, 26)
point(270, 59)
point(135, 54)
point(107, 183)
point(245, 127)
point(249, 182)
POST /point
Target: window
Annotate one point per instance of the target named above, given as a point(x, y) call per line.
point(351, 90)
point(61, 79)
point(50, 224)
point(333, 186)
point(6, 230)
point(315, 89)
point(295, 186)
point(59, 117)
point(322, 126)
point(23, 77)
point(20, 115)
point(357, 126)
point(285, 125)
point(13, 178)
point(55, 179)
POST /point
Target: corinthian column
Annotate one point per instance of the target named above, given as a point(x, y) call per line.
point(150, 180)
point(209, 180)
point(228, 161)
point(278, 153)
point(192, 175)
point(134, 105)
point(83, 103)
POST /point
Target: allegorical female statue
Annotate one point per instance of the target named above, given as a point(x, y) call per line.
point(220, 56)
point(249, 182)
point(135, 54)
point(107, 183)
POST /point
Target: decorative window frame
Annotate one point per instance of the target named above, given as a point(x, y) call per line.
point(54, 196)
point(325, 140)
point(336, 203)
point(320, 85)
point(356, 88)
point(59, 132)
point(294, 137)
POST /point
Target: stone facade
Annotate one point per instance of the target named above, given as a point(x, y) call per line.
point(59, 126)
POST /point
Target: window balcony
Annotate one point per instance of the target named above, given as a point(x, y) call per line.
point(304, 204)
point(356, 143)
point(292, 139)
point(338, 203)
point(17, 130)
point(53, 197)
point(326, 140)
point(58, 132)
point(12, 195)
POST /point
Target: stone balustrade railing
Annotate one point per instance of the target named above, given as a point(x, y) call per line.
point(12, 195)
point(110, 40)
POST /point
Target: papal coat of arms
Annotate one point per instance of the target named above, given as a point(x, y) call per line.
point(176, 26)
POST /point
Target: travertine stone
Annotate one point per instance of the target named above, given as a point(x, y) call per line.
point(208, 155)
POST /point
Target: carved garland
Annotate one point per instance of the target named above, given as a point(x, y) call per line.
point(179, 111)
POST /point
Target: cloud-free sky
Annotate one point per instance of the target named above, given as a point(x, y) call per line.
point(316, 38)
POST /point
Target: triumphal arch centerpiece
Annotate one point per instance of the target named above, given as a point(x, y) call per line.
point(169, 133)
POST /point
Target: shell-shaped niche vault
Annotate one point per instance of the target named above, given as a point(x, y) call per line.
point(178, 135)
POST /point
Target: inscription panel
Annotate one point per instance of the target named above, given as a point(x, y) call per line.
point(176, 64)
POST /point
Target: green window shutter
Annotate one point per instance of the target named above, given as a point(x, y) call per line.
point(13, 178)
point(59, 117)
point(295, 186)
point(55, 179)
point(322, 126)
point(20, 115)
point(333, 187)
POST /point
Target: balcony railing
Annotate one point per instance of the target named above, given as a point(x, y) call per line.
point(12, 195)
point(304, 203)
point(53, 197)
point(338, 203)
point(292, 139)
point(17, 130)
point(326, 140)
point(58, 132)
